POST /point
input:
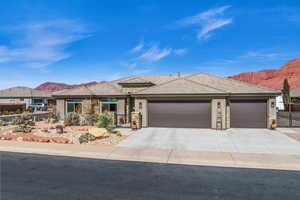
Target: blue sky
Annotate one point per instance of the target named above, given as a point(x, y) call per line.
point(75, 41)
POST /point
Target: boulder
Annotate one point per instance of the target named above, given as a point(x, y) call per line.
point(98, 132)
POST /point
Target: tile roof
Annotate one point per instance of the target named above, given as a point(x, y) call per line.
point(23, 92)
point(181, 86)
point(100, 89)
point(134, 80)
point(202, 83)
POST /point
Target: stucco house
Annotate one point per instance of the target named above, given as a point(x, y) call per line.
point(23, 95)
point(295, 95)
point(184, 101)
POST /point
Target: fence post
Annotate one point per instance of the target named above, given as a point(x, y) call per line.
point(290, 116)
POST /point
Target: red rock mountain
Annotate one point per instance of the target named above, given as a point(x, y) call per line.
point(51, 86)
point(274, 78)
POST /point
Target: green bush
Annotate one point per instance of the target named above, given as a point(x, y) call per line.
point(88, 120)
point(30, 110)
point(72, 119)
point(106, 120)
point(17, 121)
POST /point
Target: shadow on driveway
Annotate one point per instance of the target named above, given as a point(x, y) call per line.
point(31, 176)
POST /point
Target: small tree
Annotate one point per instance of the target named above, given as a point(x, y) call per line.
point(286, 93)
point(106, 120)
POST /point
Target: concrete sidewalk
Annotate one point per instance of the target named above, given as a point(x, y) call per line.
point(224, 159)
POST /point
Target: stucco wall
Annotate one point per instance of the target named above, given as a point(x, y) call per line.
point(218, 114)
point(132, 89)
point(141, 105)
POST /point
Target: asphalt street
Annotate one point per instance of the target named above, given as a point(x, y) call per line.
point(42, 177)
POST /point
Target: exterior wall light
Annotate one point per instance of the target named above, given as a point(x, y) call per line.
point(272, 104)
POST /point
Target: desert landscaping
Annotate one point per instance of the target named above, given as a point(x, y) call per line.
point(51, 130)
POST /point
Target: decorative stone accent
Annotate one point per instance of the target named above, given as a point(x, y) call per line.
point(272, 113)
point(136, 120)
point(141, 107)
point(97, 132)
point(218, 114)
point(90, 107)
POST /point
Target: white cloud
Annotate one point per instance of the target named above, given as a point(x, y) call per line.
point(256, 54)
point(137, 48)
point(44, 43)
point(155, 54)
point(180, 52)
point(208, 21)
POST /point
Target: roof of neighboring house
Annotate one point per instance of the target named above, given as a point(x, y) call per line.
point(100, 89)
point(202, 83)
point(23, 92)
point(295, 92)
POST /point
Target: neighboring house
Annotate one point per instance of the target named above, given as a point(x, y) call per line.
point(183, 101)
point(23, 95)
point(295, 95)
point(279, 103)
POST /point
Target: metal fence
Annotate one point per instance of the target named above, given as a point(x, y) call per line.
point(11, 117)
point(288, 119)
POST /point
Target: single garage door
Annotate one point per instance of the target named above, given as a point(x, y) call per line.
point(179, 114)
point(248, 114)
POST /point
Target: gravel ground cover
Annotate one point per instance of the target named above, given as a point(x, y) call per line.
point(46, 132)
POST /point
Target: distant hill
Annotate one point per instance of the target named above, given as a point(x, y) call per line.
point(274, 78)
point(52, 86)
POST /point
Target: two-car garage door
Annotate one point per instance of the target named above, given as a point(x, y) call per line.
point(179, 114)
point(197, 114)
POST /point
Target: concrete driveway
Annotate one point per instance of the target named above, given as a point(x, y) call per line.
point(233, 140)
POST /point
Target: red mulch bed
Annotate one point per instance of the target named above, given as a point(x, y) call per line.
point(28, 137)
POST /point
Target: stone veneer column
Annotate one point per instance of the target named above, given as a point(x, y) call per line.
point(271, 111)
point(60, 108)
point(218, 114)
point(141, 106)
point(121, 117)
point(227, 119)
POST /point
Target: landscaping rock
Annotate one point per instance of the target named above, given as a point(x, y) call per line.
point(86, 138)
point(98, 132)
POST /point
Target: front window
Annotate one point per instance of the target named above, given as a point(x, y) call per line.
point(37, 101)
point(109, 105)
point(74, 105)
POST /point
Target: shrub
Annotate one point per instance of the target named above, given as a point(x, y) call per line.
point(72, 119)
point(53, 118)
point(88, 120)
point(86, 138)
point(30, 110)
point(106, 120)
point(118, 134)
point(17, 121)
point(3, 123)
